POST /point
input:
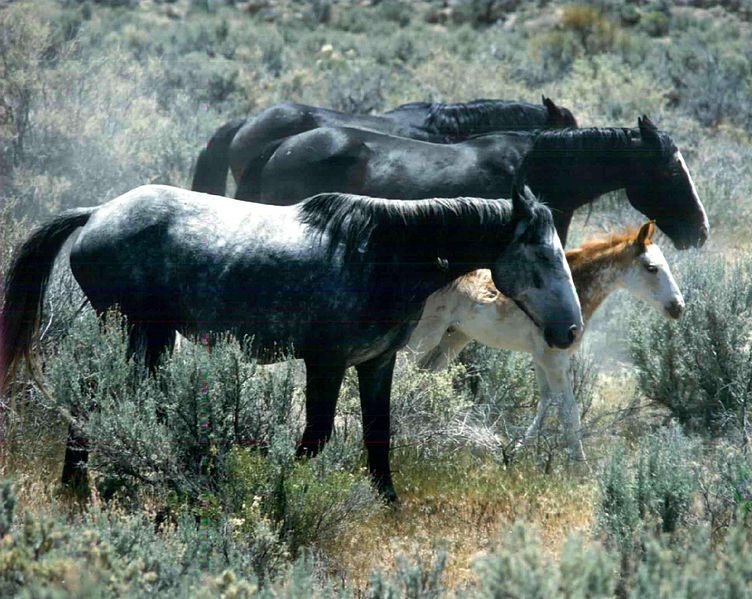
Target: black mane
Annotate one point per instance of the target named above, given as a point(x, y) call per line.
point(559, 145)
point(596, 138)
point(479, 115)
point(359, 221)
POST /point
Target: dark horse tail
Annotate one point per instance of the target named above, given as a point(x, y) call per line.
point(213, 161)
point(26, 283)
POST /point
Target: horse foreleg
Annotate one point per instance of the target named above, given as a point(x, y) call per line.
point(375, 381)
point(553, 367)
point(150, 340)
point(540, 414)
point(450, 346)
point(323, 380)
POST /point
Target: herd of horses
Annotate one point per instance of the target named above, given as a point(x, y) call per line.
point(332, 248)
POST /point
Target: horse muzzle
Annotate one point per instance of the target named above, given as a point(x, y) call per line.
point(560, 336)
point(694, 240)
point(675, 310)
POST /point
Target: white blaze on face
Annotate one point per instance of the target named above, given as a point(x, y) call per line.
point(678, 156)
point(658, 289)
point(559, 251)
point(569, 283)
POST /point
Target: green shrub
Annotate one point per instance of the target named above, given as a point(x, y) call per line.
point(646, 496)
point(517, 569)
point(175, 430)
point(7, 505)
point(700, 367)
point(694, 567)
point(397, 11)
point(655, 23)
point(307, 503)
point(356, 87)
point(113, 555)
point(656, 497)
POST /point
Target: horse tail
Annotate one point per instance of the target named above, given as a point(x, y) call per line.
point(25, 284)
point(213, 161)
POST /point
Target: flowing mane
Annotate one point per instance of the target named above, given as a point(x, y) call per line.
point(359, 222)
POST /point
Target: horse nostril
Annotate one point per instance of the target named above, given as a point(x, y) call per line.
point(675, 309)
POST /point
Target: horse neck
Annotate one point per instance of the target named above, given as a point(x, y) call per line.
point(453, 247)
point(570, 175)
point(596, 277)
point(482, 116)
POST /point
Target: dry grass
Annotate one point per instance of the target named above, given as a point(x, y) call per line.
point(464, 511)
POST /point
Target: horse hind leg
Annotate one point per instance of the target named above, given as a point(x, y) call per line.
point(323, 380)
point(150, 341)
point(75, 476)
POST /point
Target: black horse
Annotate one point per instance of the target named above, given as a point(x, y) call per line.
point(342, 279)
point(565, 168)
point(246, 144)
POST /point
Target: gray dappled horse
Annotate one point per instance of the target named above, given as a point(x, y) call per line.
point(341, 279)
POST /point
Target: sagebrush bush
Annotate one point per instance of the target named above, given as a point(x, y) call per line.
point(307, 503)
point(650, 500)
point(650, 492)
point(111, 554)
point(174, 430)
point(516, 569)
point(700, 368)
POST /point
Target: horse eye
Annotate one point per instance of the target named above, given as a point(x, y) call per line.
point(651, 268)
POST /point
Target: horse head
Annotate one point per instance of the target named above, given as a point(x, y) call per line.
point(663, 190)
point(649, 276)
point(558, 117)
point(534, 273)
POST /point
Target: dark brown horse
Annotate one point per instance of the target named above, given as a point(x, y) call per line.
point(565, 168)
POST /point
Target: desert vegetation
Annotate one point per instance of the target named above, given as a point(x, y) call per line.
point(195, 489)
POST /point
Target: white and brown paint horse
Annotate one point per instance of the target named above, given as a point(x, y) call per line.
point(472, 308)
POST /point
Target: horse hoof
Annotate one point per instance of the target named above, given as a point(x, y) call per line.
point(387, 492)
point(391, 497)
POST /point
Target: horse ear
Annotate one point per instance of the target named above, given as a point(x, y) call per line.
point(648, 130)
point(521, 205)
point(553, 110)
point(645, 233)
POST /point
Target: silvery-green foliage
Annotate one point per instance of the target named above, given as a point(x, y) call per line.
point(724, 482)
point(646, 495)
point(306, 503)
point(650, 491)
point(664, 479)
point(518, 569)
point(418, 579)
point(694, 567)
point(7, 505)
point(174, 429)
point(101, 554)
point(700, 367)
